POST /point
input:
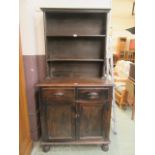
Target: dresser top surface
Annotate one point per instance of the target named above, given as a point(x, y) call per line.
point(87, 10)
point(68, 82)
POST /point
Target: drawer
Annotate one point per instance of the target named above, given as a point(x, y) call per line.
point(93, 94)
point(58, 95)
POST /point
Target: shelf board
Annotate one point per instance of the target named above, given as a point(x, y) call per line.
point(76, 36)
point(68, 60)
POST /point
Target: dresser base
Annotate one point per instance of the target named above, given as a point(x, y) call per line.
point(104, 144)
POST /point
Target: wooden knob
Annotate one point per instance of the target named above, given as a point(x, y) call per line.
point(59, 94)
point(93, 95)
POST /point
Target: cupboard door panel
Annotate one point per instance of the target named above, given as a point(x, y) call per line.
point(91, 121)
point(60, 122)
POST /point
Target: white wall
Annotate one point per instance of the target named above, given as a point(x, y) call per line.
point(121, 19)
point(31, 23)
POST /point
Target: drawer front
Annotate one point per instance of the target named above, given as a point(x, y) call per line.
point(93, 94)
point(52, 95)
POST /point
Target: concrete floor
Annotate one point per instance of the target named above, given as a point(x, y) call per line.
point(121, 144)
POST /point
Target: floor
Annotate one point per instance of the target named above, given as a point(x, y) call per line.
point(121, 144)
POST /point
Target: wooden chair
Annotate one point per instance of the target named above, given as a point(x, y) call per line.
point(130, 87)
point(121, 74)
point(121, 95)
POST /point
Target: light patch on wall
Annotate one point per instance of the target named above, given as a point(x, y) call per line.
point(27, 28)
point(122, 19)
point(39, 29)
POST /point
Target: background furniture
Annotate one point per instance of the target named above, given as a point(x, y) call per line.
point(127, 55)
point(75, 99)
point(124, 53)
point(130, 87)
point(121, 74)
point(132, 45)
point(121, 45)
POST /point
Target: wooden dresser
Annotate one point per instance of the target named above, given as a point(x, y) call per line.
point(75, 99)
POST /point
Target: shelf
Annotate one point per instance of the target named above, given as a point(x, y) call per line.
point(76, 36)
point(68, 60)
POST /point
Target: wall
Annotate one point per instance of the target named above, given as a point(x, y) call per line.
point(32, 37)
point(121, 19)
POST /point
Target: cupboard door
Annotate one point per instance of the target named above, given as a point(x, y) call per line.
point(90, 121)
point(60, 122)
point(57, 114)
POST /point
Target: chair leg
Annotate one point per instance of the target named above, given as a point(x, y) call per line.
point(133, 112)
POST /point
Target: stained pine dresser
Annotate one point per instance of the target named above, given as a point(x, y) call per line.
point(75, 98)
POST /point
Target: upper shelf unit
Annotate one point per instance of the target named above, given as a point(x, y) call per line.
point(75, 42)
point(76, 24)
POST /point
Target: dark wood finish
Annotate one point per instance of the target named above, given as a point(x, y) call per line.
point(59, 109)
point(79, 60)
point(79, 142)
point(46, 148)
point(60, 121)
point(75, 113)
point(75, 99)
point(105, 147)
point(90, 121)
point(75, 34)
point(75, 69)
point(75, 23)
point(76, 48)
point(74, 10)
point(51, 95)
point(80, 82)
point(93, 94)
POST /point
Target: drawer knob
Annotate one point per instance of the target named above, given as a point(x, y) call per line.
point(59, 94)
point(93, 95)
point(77, 115)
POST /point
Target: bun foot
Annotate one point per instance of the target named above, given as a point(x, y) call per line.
point(45, 148)
point(105, 147)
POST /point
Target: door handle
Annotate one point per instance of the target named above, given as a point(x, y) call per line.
point(77, 115)
point(59, 94)
point(93, 95)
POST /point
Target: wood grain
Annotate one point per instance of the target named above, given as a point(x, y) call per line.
point(25, 142)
